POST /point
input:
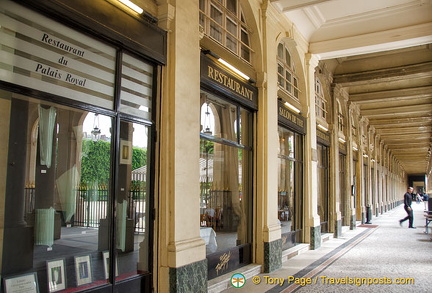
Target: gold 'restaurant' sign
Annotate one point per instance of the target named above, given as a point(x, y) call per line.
point(217, 77)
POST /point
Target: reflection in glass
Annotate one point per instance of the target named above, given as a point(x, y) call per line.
point(290, 186)
point(286, 180)
point(224, 174)
point(132, 221)
point(66, 196)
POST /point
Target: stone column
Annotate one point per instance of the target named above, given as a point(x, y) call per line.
point(312, 219)
point(182, 264)
point(269, 242)
point(335, 217)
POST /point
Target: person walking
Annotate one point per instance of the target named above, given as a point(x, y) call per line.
point(419, 198)
point(425, 200)
point(408, 197)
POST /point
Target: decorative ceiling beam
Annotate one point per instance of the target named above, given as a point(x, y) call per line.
point(288, 5)
point(422, 70)
point(422, 92)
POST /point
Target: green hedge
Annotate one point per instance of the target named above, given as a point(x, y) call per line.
point(95, 164)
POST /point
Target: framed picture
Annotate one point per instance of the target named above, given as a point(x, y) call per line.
point(106, 264)
point(56, 275)
point(26, 283)
point(83, 270)
point(125, 152)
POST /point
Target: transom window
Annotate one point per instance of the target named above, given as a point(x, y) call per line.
point(341, 123)
point(287, 78)
point(224, 22)
point(320, 101)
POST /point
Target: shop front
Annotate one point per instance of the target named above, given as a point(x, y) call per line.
point(290, 180)
point(77, 153)
point(228, 106)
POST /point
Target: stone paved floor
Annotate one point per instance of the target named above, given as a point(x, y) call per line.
point(382, 254)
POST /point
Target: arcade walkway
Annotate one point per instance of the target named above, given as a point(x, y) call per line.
point(383, 250)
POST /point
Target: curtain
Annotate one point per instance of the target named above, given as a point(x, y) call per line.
point(44, 227)
point(121, 225)
point(67, 186)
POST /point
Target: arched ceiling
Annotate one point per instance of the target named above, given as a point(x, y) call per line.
point(380, 51)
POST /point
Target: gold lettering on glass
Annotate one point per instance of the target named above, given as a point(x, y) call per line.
point(223, 264)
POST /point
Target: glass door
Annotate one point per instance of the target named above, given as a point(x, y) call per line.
point(133, 201)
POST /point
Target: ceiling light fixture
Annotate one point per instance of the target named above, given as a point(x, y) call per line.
point(132, 6)
point(207, 129)
point(292, 107)
point(323, 127)
point(96, 132)
point(233, 68)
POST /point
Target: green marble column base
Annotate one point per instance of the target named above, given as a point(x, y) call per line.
point(315, 237)
point(272, 255)
point(189, 278)
point(338, 228)
point(353, 224)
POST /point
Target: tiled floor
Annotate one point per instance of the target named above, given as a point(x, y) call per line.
point(379, 254)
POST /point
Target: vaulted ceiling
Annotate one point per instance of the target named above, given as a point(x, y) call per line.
point(380, 51)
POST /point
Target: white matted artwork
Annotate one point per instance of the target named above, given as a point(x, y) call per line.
point(26, 283)
point(125, 152)
point(106, 264)
point(56, 275)
point(83, 270)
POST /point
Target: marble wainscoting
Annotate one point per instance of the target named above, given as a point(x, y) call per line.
point(272, 255)
point(315, 237)
point(189, 278)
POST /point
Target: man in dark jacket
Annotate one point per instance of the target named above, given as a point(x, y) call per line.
point(408, 208)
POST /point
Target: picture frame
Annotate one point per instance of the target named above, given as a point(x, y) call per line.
point(106, 261)
point(125, 152)
point(56, 275)
point(26, 283)
point(83, 270)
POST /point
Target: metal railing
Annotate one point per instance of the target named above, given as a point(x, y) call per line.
point(92, 205)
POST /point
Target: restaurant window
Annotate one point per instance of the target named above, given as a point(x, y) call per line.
point(224, 22)
point(81, 150)
point(65, 190)
point(225, 176)
point(287, 78)
point(290, 186)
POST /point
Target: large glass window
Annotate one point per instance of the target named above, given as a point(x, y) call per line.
point(322, 184)
point(75, 193)
point(225, 174)
point(59, 195)
point(290, 186)
point(61, 192)
point(223, 21)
